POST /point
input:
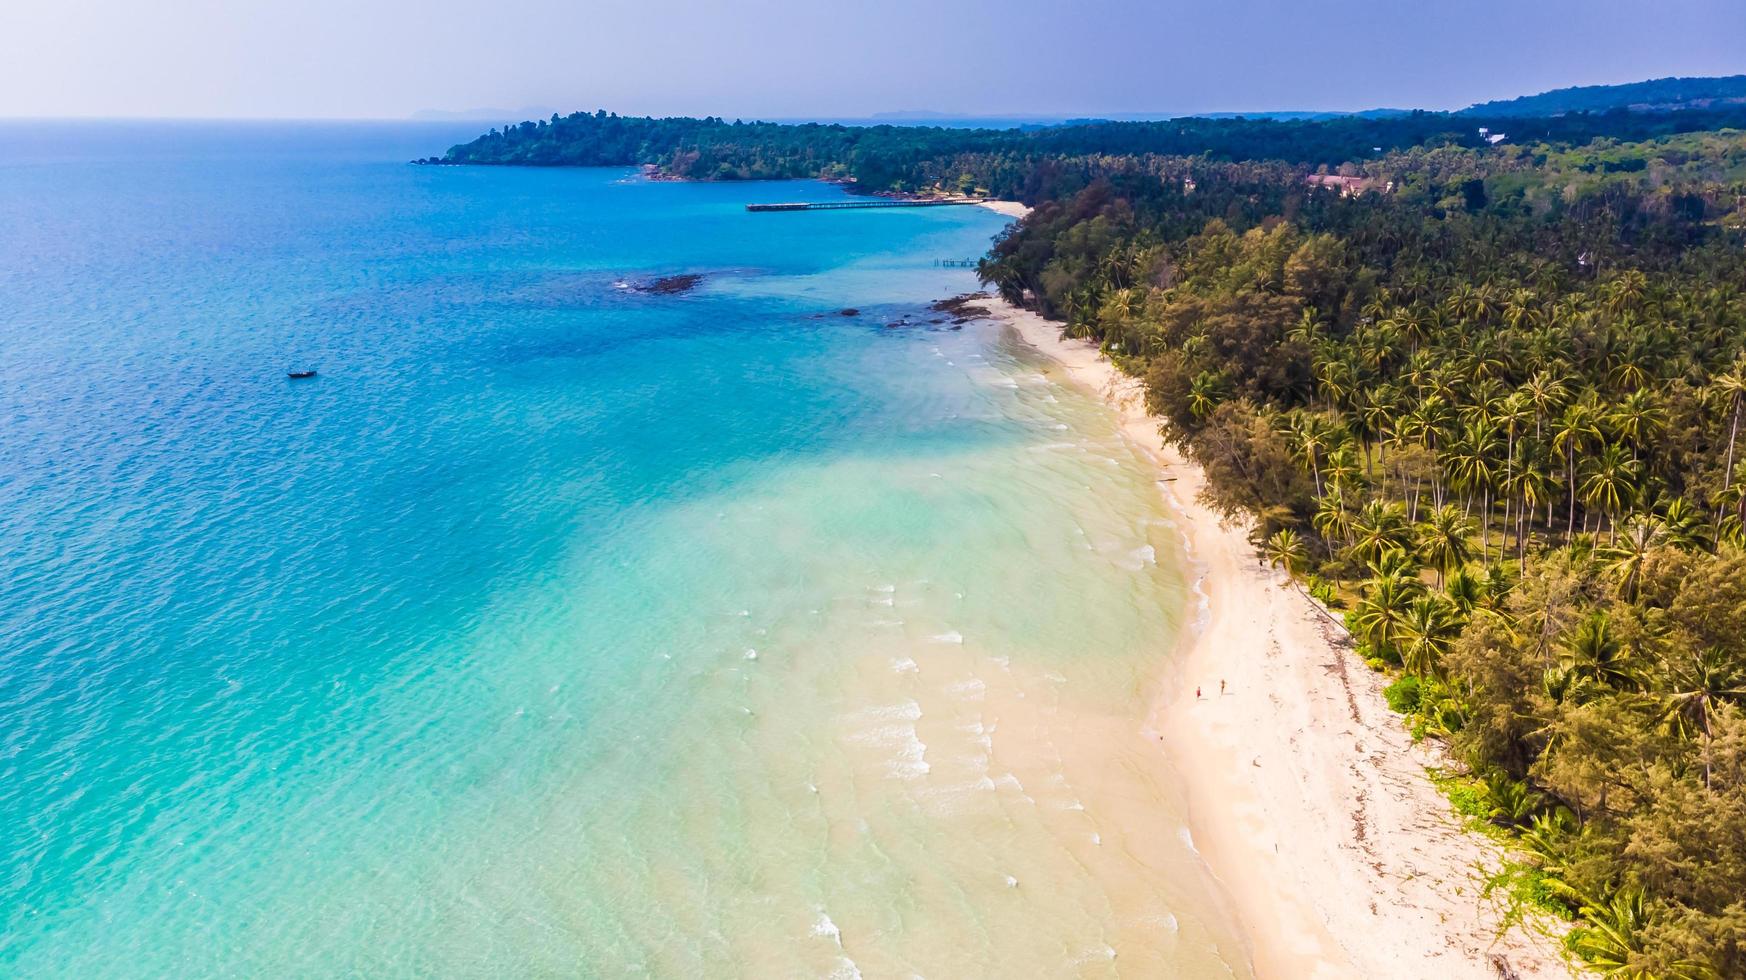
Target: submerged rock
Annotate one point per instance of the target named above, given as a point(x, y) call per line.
point(670, 285)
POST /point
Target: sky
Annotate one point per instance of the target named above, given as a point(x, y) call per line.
point(814, 58)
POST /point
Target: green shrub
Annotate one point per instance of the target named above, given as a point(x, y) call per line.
point(1403, 695)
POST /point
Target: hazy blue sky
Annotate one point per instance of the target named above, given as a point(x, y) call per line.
point(776, 58)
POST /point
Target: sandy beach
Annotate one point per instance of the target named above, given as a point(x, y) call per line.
point(1306, 796)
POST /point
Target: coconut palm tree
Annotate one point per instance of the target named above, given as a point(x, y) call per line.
point(1592, 651)
point(1532, 484)
point(1611, 940)
point(1610, 484)
point(1638, 420)
point(1443, 538)
point(1473, 465)
point(1204, 393)
point(1686, 526)
point(1576, 430)
point(1311, 435)
point(1730, 387)
point(1378, 528)
point(1343, 469)
point(1425, 634)
point(1698, 686)
point(1545, 393)
point(1626, 557)
point(1331, 519)
point(1377, 617)
point(1285, 551)
point(1512, 413)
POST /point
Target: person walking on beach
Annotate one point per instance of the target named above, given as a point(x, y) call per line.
point(1197, 693)
point(1221, 687)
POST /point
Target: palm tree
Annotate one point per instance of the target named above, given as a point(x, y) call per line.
point(1425, 634)
point(1685, 525)
point(1638, 420)
point(1626, 558)
point(1443, 540)
point(1513, 803)
point(1343, 470)
point(1545, 393)
point(1611, 940)
point(1473, 459)
point(1204, 393)
point(1378, 616)
point(1378, 528)
point(1465, 590)
point(1701, 685)
point(1512, 413)
point(1592, 651)
point(1331, 519)
point(1576, 430)
point(1610, 484)
point(1312, 435)
point(1731, 388)
point(1285, 550)
point(1533, 485)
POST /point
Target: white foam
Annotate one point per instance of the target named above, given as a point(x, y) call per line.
point(949, 636)
point(904, 665)
point(751, 654)
point(823, 926)
point(969, 689)
point(893, 727)
point(1186, 838)
point(1139, 558)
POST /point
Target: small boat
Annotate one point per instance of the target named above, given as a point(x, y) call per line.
point(310, 373)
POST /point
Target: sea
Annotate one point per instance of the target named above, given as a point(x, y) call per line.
point(556, 626)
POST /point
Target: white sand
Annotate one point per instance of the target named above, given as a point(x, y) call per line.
point(1306, 796)
point(1011, 209)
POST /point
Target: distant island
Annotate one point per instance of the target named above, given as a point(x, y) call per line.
point(1655, 95)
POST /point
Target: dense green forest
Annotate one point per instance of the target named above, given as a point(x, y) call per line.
point(1485, 400)
point(1656, 94)
point(1019, 163)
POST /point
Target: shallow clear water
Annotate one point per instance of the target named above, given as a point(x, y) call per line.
point(554, 628)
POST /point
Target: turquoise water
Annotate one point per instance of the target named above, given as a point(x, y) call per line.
point(554, 628)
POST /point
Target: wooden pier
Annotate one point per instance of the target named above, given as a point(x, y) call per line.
point(870, 203)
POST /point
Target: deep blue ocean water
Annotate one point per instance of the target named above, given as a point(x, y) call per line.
point(448, 660)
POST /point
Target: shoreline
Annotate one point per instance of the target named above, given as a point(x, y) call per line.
point(1306, 796)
